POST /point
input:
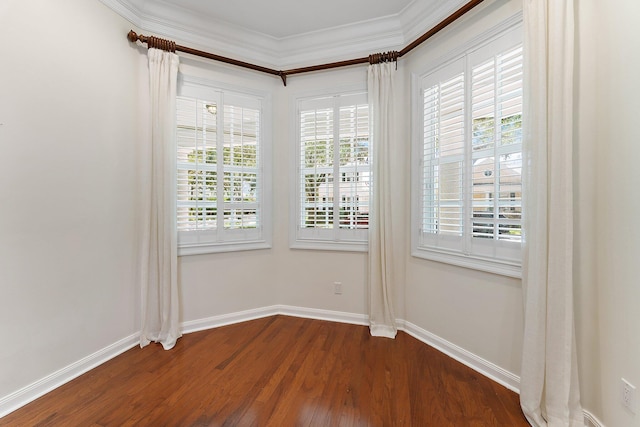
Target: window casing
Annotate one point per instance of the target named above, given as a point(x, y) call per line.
point(467, 205)
point(333, 174)
point(222, 179)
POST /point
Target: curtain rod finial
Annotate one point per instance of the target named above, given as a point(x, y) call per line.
point(132, 36)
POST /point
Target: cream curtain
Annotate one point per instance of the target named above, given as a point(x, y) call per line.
point(381, 315)
point(549, 393)
point(160, 304)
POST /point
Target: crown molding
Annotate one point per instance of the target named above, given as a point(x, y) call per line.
point(196, 31)
point(416, 20)
point(359, 39)
point(125, 8)
point(340, 43)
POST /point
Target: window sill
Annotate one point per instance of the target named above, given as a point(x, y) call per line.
point(503, 268)
point(186, 250)
point(321, 245)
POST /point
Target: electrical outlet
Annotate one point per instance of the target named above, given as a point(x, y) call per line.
point(628, 395)
point(337, 288)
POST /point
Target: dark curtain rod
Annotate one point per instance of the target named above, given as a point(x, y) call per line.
point(375, 58)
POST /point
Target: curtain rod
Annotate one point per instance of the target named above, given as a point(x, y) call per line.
point(371, 59)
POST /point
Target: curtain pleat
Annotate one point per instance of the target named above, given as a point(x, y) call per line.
point(549, 392)
point(381, 312)
point(160, 296)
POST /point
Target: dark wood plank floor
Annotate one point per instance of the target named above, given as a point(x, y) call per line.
point(278, 371)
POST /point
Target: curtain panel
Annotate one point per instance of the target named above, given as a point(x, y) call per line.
point(381, 312)
point(549, 392)
point(160, 304)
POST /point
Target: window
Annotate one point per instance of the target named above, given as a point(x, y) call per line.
point(333, 172)
point(221, 158)
point(469, 152)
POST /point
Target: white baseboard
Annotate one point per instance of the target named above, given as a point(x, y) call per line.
point(477, 363)
point(591, 420)
point(227, 319)
point(286, 310)
point(33, 391)
point(318, 314)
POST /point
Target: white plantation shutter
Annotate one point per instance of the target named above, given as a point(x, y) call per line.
point(355, 171)
point(219, 162)
point(444, 155)
point(334, 174)
point(496, 103)
point(196, 164)
point(443, 158)
point(241, 184)
point(471, 159)
point(496, 152)
point(316, 166)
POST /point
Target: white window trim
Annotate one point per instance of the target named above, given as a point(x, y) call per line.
point(491, 265)
point(295, 240)
point(266, 148)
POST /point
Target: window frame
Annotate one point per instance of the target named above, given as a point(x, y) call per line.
point(333, 239)
point(446, 250)
point(217, 241)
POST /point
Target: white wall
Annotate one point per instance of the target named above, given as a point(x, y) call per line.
point(68, 130)
point(618, 238)
point(585, 185)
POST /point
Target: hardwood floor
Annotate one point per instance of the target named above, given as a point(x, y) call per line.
point(278, 371)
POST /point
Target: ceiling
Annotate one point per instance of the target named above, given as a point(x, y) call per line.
point(286, 33)
point(289, 18)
